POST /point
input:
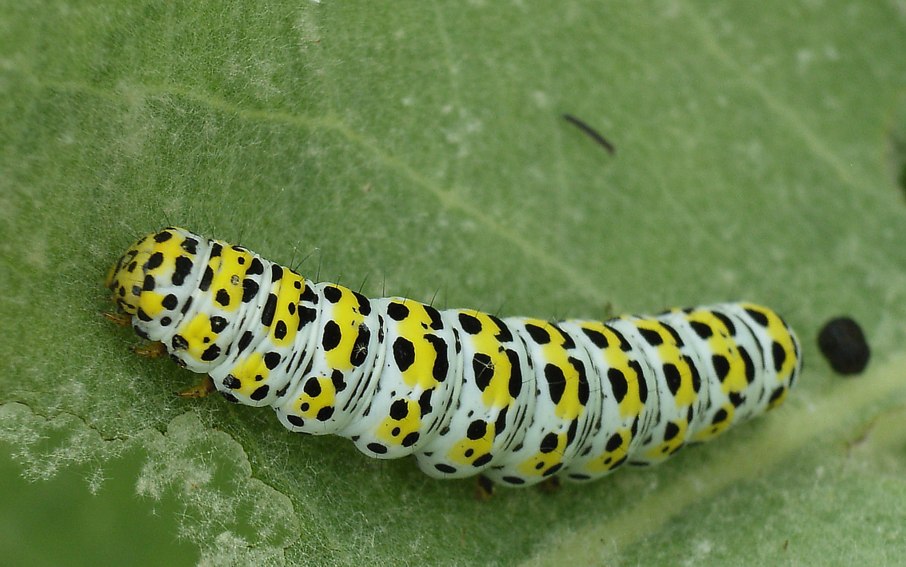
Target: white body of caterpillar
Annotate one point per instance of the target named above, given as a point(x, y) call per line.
point(516, 399)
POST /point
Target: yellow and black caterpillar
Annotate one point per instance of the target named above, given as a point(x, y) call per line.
point(516, 399)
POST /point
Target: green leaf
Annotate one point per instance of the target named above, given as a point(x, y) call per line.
point(418, 149)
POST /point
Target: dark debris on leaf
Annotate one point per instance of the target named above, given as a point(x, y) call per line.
point(843, 344)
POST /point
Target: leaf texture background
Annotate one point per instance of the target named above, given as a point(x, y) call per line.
point(417, 149)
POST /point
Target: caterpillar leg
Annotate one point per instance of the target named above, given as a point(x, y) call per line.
point(154, 349)
point(200, 390)
point(484, 488)
point(550, 485)
point(119, 319)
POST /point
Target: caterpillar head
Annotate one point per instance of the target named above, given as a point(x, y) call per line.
point(148, 279)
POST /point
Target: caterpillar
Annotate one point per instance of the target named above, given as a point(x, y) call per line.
point(517, 400)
